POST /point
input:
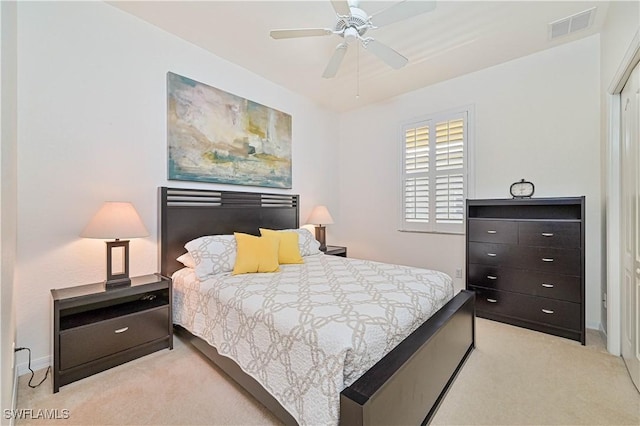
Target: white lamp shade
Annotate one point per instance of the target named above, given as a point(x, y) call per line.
point(115, 220)
point(320, 216)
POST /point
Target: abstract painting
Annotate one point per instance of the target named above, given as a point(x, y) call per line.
point(215, 136)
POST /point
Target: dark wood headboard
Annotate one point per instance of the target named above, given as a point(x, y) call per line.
point(186, 214)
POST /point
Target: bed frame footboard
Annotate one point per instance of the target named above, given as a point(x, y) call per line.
point(408, 384)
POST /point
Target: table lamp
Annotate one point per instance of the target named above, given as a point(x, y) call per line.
point(116, 220)
point(320, 216)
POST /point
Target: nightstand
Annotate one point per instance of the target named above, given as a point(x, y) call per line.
point(336, 251)
point(96, 329)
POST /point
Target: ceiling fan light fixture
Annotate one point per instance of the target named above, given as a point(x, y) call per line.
point(350, 35)
point(358, 20)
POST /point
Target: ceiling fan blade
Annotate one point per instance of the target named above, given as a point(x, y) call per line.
point(300, 32)
point(400, 11)
point(385, 53)
point(334, 63)
point(341, 7)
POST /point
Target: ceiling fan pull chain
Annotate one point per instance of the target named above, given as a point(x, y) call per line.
point(358, 71)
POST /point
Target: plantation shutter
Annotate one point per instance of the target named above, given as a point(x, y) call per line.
point(416, 179)
point(449, 171)
point(434, 172)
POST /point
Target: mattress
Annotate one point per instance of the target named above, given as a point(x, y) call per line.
point(309, 331)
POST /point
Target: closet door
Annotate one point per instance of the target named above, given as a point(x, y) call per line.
point(630, 295)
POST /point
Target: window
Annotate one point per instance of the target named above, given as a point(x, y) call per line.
point(435, 170)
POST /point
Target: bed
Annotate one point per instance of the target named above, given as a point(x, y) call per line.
point(405, 386)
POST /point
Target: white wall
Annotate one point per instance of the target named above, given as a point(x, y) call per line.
point(8, 198)
point(536, 117)
point(92, 127)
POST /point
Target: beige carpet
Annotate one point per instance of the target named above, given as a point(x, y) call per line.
point(514, 376)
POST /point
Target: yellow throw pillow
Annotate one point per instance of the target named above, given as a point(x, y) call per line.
point(289, 251)
point(256, 254)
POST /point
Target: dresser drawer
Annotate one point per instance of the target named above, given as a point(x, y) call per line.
point(555, 286)
point(490, 254)
point(488, 276)
point(549, 234)
point(91, 342)
point(540, 310)
point(493, 231)
point(549, 260)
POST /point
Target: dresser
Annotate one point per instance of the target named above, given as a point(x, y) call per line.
point(525, 261)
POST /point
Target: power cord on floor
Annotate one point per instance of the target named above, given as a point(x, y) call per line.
point(32, 372)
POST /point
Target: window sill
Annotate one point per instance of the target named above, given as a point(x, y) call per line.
point(431, 232)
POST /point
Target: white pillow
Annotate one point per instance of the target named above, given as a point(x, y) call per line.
point(307, 243)
point(187, 260)
point(213, 254)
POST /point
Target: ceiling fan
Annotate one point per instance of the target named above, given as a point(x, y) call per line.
point(352, 25)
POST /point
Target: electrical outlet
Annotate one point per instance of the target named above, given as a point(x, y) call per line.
point(459, 273)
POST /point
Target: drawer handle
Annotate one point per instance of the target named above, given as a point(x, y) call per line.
point(547, 285)
point(492, 277)
point(547, 259)
point(547, 311)
point(547, 234)
point(491, 231)
point(491, 254)
point(121, 330)
point(492, 301)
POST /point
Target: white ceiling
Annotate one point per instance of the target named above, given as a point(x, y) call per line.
point(454, 39)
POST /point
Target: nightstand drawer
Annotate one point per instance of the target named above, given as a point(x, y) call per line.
point(493, 231)
point(91, 342)
point(336, 251)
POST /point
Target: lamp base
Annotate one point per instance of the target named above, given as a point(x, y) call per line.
point(321, 237)
point(122, 282)
point(117, 264)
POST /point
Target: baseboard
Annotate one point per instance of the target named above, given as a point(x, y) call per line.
point(603, 332)
point(603, 335)
point(14, 394)
point(19, 370)
point(36, 365)
point(594, 325)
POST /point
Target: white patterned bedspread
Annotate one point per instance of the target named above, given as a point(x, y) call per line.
point(307, 332)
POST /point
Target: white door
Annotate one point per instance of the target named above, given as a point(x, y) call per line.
point(630, 191)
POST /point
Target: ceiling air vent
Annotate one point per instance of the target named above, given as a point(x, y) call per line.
point(572, 23)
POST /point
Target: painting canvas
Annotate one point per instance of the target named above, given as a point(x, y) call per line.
point(215, 136)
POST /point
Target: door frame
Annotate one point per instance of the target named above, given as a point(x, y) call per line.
point(613, 204)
